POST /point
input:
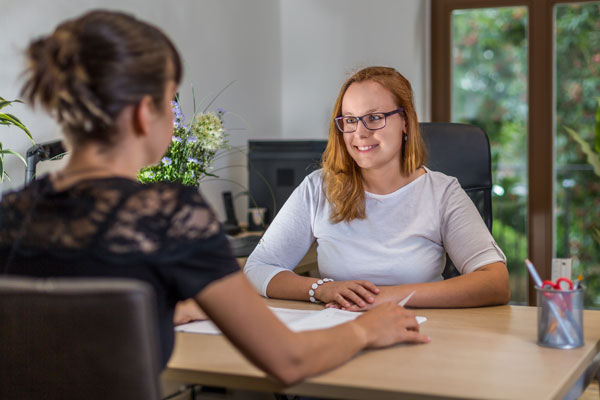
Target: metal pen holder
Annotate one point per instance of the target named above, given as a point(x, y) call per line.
point(560, 318)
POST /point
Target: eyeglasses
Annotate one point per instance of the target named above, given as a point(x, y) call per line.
point(373, 121)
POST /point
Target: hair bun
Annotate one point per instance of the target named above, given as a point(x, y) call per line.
point(93, 66)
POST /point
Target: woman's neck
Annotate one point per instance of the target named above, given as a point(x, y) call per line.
point(387, 181)
point(95, 161)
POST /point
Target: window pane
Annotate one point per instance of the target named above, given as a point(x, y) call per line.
point(489, 89)
point(577, 187)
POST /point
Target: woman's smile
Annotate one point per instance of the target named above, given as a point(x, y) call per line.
point(366, 149)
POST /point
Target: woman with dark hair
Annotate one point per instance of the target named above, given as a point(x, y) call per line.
point(108, 79)
point(383, 222)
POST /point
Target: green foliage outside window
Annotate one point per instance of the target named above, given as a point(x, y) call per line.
point(489, 82)
point(489, 85)
point(577, 186)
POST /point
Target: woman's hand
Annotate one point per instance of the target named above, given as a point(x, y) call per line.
point(386, 294)
point(388, 324)
point(346, 294)
point(187, 311)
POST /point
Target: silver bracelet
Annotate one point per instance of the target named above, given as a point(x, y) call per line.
point(314, 287)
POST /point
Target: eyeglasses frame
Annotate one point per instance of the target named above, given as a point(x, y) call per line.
point(385, 115)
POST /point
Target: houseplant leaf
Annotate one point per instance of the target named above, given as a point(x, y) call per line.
point(592, 158)
point(9, 119)
point(4, 103)
point(14, 153)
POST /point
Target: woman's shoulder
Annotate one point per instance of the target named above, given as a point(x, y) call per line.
point(315, 178)
point(312, 185)
point(441, 181)
point(163, 197)
point(162, 220)
point(182, 209)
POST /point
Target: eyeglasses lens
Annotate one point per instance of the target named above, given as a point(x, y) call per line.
point(350, 124)
point(374, 121)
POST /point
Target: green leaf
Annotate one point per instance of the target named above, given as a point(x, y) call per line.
point(14, 153)
point(9, 119)
point(4, 103)
point(597, 128)
point(592, 158)
point(217, 95)
point(596, 234)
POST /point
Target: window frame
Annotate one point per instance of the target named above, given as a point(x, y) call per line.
point(540, 94)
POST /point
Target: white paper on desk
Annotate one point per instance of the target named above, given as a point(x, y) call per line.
point(327, 318)
point(296, 320)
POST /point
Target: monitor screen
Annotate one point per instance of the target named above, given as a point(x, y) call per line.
point(276, 167)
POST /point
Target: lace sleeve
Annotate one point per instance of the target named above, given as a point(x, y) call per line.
point(160, 219)
point(179, 235)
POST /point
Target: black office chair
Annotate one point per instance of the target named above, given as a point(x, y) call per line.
point(462, 151)
point(78, 339)
point(48, 151)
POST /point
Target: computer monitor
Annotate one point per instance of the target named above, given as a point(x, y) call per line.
point(276, 167)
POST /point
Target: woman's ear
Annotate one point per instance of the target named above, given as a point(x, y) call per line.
point(143, 115)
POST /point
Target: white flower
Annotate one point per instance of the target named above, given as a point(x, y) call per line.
point(207, 128)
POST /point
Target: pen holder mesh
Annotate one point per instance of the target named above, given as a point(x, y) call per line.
point(560, 318)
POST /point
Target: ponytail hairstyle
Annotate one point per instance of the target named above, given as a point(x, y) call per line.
point(92, 67)
point(342, 177)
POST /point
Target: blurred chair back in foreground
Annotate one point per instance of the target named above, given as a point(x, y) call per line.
point(78, 339)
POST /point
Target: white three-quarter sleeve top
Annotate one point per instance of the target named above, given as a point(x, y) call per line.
point(403, 239)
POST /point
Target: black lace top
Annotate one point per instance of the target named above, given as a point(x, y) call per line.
point(163, 233)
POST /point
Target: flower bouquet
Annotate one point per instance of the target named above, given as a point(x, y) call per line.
point(189, 157)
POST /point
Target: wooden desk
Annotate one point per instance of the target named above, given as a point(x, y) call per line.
point(480, 353)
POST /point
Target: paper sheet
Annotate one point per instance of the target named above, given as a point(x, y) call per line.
point(296, 320)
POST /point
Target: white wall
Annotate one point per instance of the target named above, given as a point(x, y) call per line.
point(220, 41)
point(324, 42)
point(287, 57)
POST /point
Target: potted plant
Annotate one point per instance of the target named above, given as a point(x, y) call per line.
point(10, 119)
point(193, 147)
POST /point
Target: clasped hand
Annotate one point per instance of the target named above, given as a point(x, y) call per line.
point(352, 295)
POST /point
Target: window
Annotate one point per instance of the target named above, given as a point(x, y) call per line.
point(489, 90)
point(494, 64)
point(576, 100)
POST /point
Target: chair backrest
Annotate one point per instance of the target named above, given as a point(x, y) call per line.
point(462, 151)
point(48, 151)
point(78, 338)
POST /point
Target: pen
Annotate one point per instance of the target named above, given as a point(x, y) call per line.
point(578, 281)
point(405, 300)
point(536, 278)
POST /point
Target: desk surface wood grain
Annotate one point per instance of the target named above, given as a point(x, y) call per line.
point(477, 353)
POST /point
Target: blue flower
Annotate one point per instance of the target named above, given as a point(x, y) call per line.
point(176, 139)
point(192, 139)
point(178, 116)
point(193, 160)
point(166, 161)
point(177, 110)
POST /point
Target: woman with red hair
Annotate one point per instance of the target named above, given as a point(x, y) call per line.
point(383, 222)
